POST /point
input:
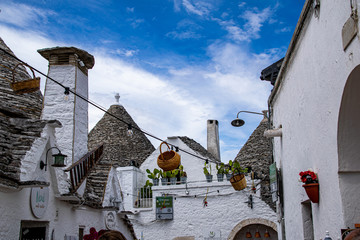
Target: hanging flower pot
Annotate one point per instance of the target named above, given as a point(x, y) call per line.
point(238, 182)
point(168, 160)
point(26, 86)
point(311, 184)
point(312, 190)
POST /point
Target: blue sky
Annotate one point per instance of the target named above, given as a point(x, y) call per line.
point(175, 63)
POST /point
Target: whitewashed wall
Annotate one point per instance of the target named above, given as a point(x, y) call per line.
point(61, 216)
point(57, 107)
point(226, 208)
point(81, 116)
point(71, 111)
point(307, 106)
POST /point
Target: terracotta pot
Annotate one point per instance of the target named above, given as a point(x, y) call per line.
point(312, 190)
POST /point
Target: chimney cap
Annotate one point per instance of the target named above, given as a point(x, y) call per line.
point(86, 57)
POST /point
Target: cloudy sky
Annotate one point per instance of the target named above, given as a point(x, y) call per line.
point(175, 63)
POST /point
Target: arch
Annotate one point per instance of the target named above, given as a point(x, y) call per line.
point(251, 221)
point(348, 143)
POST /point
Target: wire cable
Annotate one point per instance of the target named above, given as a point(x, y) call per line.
point(102, 109)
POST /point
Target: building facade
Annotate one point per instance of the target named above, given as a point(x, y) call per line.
point(315, 105)
point(42, 199)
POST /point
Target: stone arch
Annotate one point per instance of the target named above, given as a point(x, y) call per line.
point(348, 143)
point(251, 221)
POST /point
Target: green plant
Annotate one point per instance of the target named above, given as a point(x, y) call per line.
point(236, 168)
point(174, 173)
point(220, 168)
point(182, 172)
point(153, 175)
point(145, 191)
point(207, 168)
point(227, 170)
point(167, 174)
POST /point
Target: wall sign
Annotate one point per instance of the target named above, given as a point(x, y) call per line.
point(110, 221)
point(164, 208)
point(39, 200)
point(273, 182)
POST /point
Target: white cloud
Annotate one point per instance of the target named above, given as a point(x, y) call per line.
point(254, 20)
point(131, 10)
point(126, 52)
point(201, 8)
point(22, 15)
point(185, 29)
point(177, 5)
point(178, 104)
point(183, 35)
point(242, 4)
point(135, 23)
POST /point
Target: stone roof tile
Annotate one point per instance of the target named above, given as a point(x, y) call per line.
point(119, 149)
point(257, 154)
point(191, 143)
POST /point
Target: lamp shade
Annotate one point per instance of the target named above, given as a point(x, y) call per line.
point(59, 160)
point(237, 122)
point(257, 234)
point(248, 234)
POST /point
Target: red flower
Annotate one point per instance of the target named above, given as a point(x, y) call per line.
point(308, 177)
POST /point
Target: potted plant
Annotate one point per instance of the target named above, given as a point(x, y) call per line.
point(207, 172)
point(220, 172)
point(164, 179)
point(311, 185)
point(227, 171)
point(238, 180)
point(183, 175)
point(173, 176)
point(154, 176)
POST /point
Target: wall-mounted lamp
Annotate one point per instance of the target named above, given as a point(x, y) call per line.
point(239, 122)
point(266, 234)
point(59, 159)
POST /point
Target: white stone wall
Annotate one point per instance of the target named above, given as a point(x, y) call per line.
point(129, 180)
point(226, 208)
point(307, 106)
point(81, 116)
point(30, 169)
point(61, 217)
point(56, 107)
point(71, 111)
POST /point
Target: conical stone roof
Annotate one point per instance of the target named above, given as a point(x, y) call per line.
point(28, 105)
point(257, 154)
point(119, 148)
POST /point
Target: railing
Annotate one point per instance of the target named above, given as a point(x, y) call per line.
point(143, 198)
point(80, 170)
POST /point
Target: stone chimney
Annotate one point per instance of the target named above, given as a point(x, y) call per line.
point(213, 145)
point(69, 66)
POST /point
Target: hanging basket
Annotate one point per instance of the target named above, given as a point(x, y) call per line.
point(168, 160)
point(312, 190)
point(238, 182)
point(26, 86)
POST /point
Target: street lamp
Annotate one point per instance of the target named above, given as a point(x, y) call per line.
point(59, 159)
point(239, 122)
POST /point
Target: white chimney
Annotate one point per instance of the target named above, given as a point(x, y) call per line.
point(69, 66)
point(213, 145)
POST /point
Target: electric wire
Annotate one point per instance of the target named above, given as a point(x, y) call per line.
point(102, 109)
